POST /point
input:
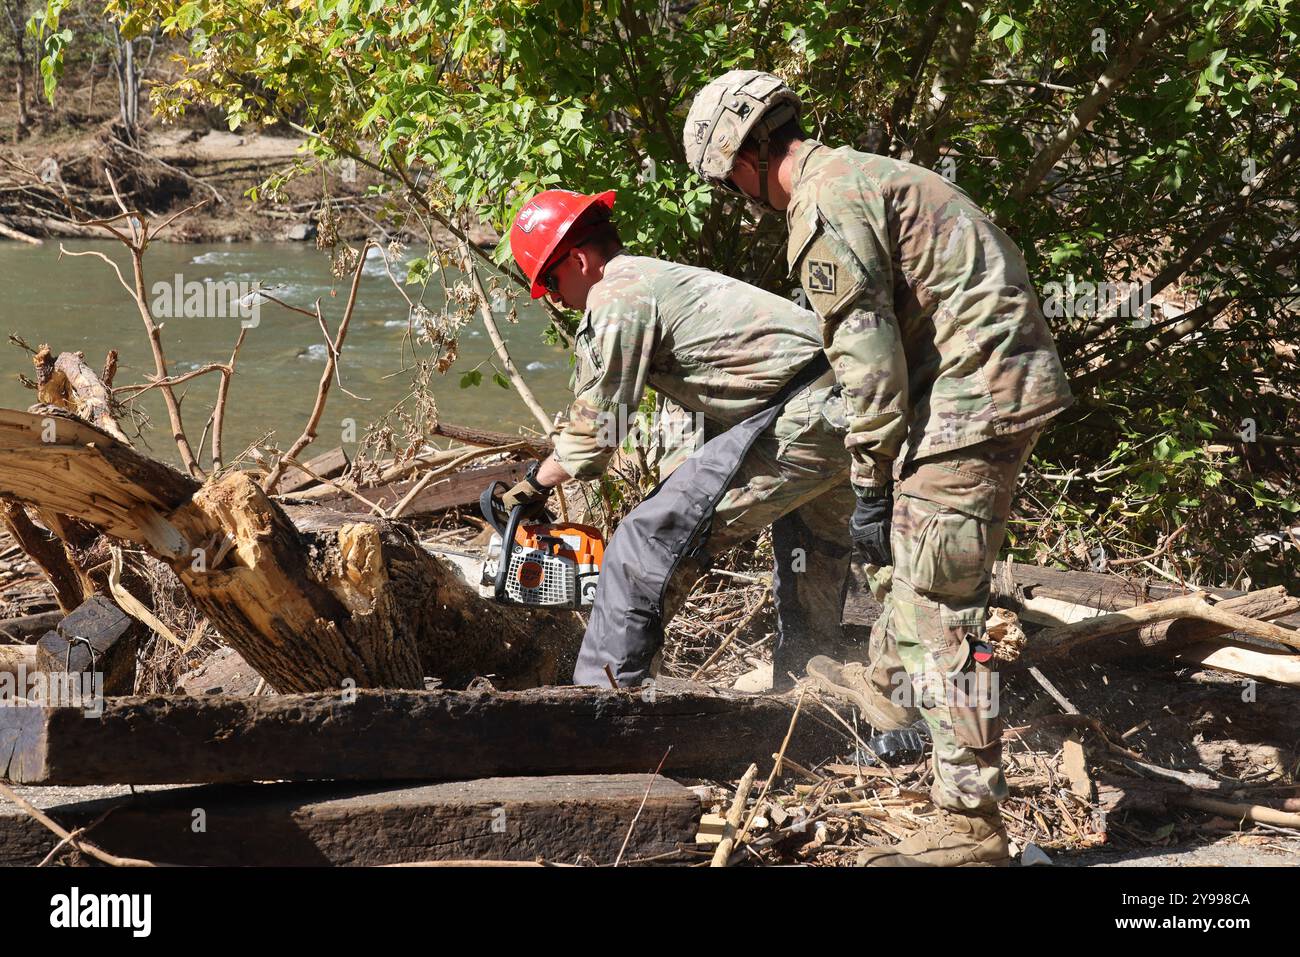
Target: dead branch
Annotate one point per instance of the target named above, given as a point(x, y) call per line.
point(68, 383)
point(219, 408)
point(1066, 638)
point(734, 814)
point(331, 361)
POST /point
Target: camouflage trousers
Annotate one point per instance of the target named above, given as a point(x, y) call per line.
point(949, 521)
point(795, 479)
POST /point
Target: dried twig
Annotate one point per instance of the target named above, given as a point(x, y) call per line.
point(79, 843)
point(645, 797)
point(723, 850)
point(732, 635)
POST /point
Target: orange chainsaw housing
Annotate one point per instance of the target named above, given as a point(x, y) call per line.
point(581, 544)
point(549, 565)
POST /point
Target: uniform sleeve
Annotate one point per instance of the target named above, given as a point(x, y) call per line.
point(847, 273)
point(613, 350)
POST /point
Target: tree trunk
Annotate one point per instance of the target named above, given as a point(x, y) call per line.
point(335, 601)
point(20, 91)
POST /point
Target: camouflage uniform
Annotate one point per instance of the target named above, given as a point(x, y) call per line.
point(722, 351)
point(949, 373)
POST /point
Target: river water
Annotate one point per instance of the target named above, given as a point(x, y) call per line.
point(76, 304)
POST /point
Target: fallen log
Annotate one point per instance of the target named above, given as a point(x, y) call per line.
point(1056, 598)
point(537, 448)
point(401, 735)
point(1263, 665)
point(559, 818)
point(455, 491)
point(10, 233)
point(1013, 581)
point(17, 659)
point(328, 465)
point(1065, 639)
point(336, 601)
point(222, 672)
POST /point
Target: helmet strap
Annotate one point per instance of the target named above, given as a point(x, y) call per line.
point(764, 147)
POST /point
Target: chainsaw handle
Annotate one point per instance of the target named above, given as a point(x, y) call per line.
point(487, 505)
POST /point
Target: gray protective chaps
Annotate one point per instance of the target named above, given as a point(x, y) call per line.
point(626, 628)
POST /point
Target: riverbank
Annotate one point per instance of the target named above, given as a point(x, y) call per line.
point(164, 168)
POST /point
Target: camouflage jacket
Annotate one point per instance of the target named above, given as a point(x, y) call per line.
point(928, 314)
point(708, 344)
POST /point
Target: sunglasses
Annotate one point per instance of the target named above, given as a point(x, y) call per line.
point(551, 282)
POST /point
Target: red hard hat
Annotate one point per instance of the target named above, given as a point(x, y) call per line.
point(538, 232)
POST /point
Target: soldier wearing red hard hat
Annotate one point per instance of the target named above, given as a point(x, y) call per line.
point(748, 368)
point(552, 223)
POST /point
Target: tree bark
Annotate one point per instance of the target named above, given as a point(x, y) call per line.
point(956, 56)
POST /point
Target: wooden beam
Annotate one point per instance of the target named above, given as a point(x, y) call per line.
point(402, 735)
point(564, 819)
point(23, 629)
point(98, 636)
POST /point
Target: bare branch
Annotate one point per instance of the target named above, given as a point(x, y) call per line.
point(1108, 84)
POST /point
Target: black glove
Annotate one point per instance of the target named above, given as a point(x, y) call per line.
point(869, 529)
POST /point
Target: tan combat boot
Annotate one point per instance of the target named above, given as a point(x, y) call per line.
point(948, 840)
point(850, 682)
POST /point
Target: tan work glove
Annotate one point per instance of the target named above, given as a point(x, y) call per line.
point(529, 492)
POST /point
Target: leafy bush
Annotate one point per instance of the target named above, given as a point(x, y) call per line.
point(1119, 144)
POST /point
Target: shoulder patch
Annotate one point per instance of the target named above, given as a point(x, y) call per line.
point(830, 275)
point(821, 275)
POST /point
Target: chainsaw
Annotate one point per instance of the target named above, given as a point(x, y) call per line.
point(547, 564)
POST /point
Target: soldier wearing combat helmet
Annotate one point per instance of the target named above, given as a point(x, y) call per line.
point(949, 374)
